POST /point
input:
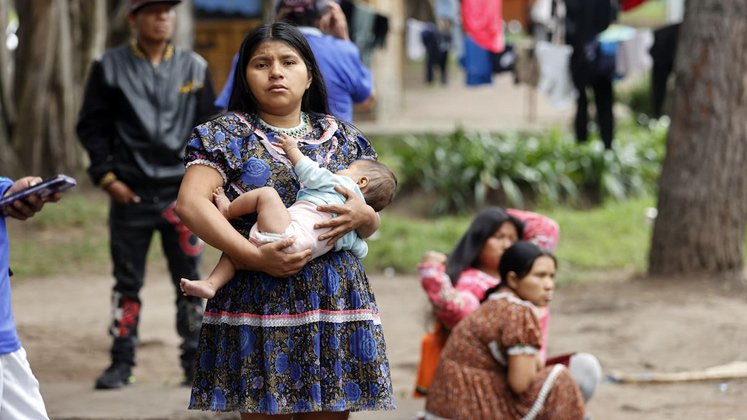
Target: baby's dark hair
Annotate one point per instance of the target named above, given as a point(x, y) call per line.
point(382, 183)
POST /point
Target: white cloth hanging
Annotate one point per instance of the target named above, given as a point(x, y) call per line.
point(413, 41)
point(555, 76)
point(633, 55)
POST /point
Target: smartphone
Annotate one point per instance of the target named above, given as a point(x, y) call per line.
point(43, 189)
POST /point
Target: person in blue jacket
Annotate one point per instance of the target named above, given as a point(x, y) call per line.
point(19, 390)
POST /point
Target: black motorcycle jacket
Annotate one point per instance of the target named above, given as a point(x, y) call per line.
point(136, 117)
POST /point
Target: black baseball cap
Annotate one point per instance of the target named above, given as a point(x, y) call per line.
point(136, 5)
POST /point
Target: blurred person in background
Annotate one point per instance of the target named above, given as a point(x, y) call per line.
point(141, 102)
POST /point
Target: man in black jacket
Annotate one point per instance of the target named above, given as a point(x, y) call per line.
point(141, 102)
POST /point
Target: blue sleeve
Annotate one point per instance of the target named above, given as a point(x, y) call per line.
point(361, 79)
point(5, 183)
point(225, 95)
point(315, 177)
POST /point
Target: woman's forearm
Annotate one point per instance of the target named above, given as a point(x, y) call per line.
point(451, 304)
point(372, 225)
point(195, 207)
point(522, 371)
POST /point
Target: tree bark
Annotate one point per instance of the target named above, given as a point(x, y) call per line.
point(57, 41)
point(8, 157)
point(35, 60)
point(702, 204)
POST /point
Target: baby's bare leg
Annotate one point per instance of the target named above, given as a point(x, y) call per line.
point(221, 274)
point(272, 216)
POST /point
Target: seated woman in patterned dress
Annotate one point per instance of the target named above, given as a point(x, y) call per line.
point(490, 367)
point(456, 284)
point(288, 336)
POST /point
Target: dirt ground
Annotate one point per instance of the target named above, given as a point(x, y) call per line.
point(631, 325)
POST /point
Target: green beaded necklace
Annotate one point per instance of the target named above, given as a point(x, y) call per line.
point(298, 131)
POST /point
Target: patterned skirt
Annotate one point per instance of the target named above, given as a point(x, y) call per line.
point(307, 343)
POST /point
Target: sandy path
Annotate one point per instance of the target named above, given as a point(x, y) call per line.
point(627, 324)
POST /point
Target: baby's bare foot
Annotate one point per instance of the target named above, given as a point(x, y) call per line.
point(221, 201)
point(199, 288)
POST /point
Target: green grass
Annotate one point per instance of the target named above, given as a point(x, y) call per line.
point(613, 237)
point(66, 237)
point(71, 237)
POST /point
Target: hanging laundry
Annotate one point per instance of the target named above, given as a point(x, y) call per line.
point(477, 63)
point(483, 22)
point(633, 55)
point(448, 15)
point(368, 29)
point(413, 39)
point(554, 74)
point(626, 5)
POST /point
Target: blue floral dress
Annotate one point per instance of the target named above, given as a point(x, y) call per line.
point(310, 342)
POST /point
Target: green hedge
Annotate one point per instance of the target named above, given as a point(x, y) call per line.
point(465, 170)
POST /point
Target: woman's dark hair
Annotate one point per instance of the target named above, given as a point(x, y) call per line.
point(484, 225)
point(242, 98)
point(518, 258)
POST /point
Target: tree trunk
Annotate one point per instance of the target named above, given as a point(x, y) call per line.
point(8, 158)
point(702, 205)
point(57, 41)
point(35, 60)
point(91, 37)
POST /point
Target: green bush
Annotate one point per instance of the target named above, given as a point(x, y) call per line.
point(465, 170)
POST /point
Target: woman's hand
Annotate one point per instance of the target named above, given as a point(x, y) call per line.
point(355, 214)
point(276, 262)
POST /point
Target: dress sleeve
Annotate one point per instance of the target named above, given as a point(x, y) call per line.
point(212, 145)
point(539, 229)
point(521, 334)
point(364, 149)
point(451, 304)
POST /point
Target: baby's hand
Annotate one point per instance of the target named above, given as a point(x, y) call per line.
point(287, 142)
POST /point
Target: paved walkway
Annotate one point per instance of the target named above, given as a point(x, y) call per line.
point(497, 107)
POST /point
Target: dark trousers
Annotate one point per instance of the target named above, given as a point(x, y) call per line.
point(583, 78)
point(662, 52)
point(131, 229)
point(436, 54)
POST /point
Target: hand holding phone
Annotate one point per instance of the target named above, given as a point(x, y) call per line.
point(43, 191)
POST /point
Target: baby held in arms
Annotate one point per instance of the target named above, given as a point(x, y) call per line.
point(370, 180)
